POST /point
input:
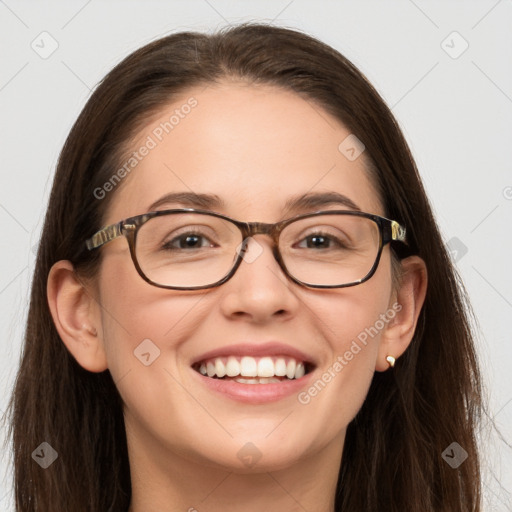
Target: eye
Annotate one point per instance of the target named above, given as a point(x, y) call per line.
point(323, 240)
point(191, 239)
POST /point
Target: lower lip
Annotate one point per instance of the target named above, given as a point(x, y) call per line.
point(255, 393)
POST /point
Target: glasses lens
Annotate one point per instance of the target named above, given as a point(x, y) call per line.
point(330, 250)
point(187, 249)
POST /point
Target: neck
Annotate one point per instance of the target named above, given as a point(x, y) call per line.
point(161, 480)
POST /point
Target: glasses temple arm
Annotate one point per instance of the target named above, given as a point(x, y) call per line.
point(103, 236)
point(398, 232)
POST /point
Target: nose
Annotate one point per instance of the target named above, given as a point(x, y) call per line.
point(259, 290)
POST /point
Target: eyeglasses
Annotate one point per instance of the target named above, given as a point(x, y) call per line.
point(191, 249)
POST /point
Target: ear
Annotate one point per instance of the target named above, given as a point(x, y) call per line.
point(76, 316)
point(406, 302)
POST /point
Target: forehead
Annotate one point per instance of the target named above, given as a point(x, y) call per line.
point(254, 147)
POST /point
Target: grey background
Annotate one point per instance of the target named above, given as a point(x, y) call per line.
point(455, 110)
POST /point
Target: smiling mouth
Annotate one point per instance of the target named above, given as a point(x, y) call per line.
point(253, 370)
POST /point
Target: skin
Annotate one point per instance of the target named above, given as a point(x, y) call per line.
point(183, 438)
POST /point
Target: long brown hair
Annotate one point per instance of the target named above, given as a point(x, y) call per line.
point(392, 458)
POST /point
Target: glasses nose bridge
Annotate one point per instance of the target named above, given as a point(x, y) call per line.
point(262, 228)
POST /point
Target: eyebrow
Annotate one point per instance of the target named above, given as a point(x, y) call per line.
point(293, 205)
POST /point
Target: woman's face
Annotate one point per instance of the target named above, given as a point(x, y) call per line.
point(255, 147)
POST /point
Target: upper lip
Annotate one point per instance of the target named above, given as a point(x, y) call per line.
point(269, 348)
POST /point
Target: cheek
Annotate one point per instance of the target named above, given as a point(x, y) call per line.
point(352, 321)
point(138, 318)
point(144, 330)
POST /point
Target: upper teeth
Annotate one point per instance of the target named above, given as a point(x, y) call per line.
point(253, 367)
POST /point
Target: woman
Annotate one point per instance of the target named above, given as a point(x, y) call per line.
point(282, 327)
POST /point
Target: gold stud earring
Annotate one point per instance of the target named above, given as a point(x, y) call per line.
point(391, 360)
